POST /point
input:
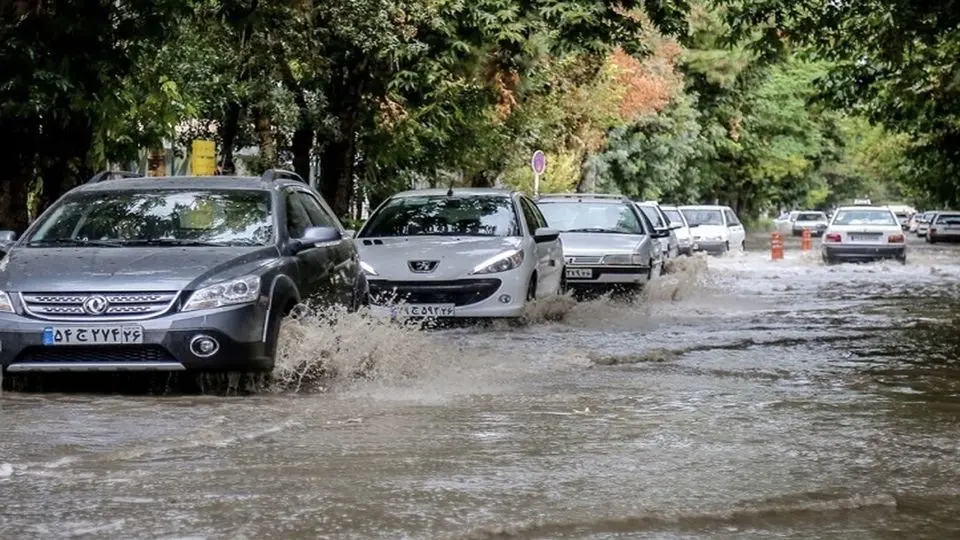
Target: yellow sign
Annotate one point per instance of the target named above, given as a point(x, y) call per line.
point(203, 158)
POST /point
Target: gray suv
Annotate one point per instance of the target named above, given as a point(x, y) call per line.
point(170, 274)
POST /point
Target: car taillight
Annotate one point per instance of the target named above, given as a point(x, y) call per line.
point(932, 231)
point(832, 237)
point(895, 239)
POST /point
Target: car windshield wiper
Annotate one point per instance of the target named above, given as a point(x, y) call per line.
point(598, 230)
point(173, 242)
point(67, 242)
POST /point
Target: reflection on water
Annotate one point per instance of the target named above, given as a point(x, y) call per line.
point(737, 397)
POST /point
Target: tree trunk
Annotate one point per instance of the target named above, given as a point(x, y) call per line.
point(268, 142)
point(228, 133)
point(64, 165)
point(336, 174)
point(18, 155)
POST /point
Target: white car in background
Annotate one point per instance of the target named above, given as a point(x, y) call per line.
point(459, 253)
point(863, 233)
point(793, 223)
point(944, 227)
point(670, 243)
point(716, 229)
point(682, 231)
point(923, 223)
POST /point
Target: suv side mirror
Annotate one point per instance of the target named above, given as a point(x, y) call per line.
point(315, 235)
point(7, 239)
point(545, 234)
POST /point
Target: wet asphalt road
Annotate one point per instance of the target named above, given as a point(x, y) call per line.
point(752, 399)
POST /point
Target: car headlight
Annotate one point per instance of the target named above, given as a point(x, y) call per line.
point(367, 269)
point(500, 263)
point(6, 306)
point(228, 293)
point(634, 259)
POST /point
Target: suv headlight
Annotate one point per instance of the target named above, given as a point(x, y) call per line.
point(6, 306)
point(500, 263)
point(228, 293)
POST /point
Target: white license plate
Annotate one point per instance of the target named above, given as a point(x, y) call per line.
point(579, 273)
point(865, 237)
point(93, 335)
point(423, 310)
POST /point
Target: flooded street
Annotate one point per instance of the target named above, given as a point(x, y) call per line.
point(741, 398)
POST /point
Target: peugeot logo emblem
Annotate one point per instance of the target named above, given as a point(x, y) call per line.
point(95, 305)
point(422, 267)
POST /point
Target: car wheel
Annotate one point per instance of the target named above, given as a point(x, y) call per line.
point(743, 246)
point(930, 240)
point(726, 247)
point(562, 288)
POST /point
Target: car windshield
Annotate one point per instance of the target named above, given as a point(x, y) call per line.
point(674, 217)
point(440, 215)
point(812, 216)
point(864, 217)
point(703, 216)
point(601, 217)
point(652, 215)
point(160, 217)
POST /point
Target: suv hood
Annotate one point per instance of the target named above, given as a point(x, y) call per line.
point(457, 255)
point(598, 244)
point(95, 269)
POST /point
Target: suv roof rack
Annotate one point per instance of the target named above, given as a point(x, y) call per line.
point(271, 175)
point(103, 176)
point(583, 196)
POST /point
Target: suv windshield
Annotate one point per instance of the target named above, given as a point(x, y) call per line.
point(703, 216)
point(440, 215)
point(864, 217)
point(161, 217)
point(603, 217)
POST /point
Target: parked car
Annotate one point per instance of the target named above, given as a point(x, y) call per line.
point(171, 274)
point(459, 253)
point(682, 231)
point(608, 242)
point(716, 229)
point(903, 213)
point(862, 233)
point(670, 244)
point(794, 223)
point(944, 227)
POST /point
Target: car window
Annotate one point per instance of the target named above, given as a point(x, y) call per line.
point(529, 215)
point(948, 219)
point(812, 216)
point(732, 220)
point(319, 216)
point(442, 215)
point(652, 215)
point(592, 216)
point(162, 216)
point(703, 216)
point(865, 217)
point(298, 220)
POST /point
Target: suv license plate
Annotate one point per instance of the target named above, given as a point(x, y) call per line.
point(579, 273)
point(93, 335)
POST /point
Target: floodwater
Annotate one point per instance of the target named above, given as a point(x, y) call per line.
point(741, 398)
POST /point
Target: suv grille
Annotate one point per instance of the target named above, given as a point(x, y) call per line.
point(95, 306)
point(80, 354)
point(460, 292)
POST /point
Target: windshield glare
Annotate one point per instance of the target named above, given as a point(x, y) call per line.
point(703, 217)
point(591, 217)
point(864, 217)
point(439, 215)
point(222, 217)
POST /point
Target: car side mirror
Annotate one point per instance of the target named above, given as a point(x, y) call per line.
point(675, 226)
point(7, 239)
point(545, 234)
point(660, 232)
point(350, 233)
point(315, 235)
point(693, 225)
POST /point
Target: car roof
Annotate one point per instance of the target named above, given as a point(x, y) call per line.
point(181, 182)
point(457, 192)
point(864, 207)
point(705, 206)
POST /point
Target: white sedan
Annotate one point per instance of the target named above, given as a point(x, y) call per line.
point(863, 233)
point(459, 253)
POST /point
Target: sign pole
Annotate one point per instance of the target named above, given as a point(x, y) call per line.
point(539, 164)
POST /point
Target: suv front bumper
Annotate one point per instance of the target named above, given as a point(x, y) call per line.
point(239, 332)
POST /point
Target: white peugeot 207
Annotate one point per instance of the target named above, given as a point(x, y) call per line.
point(481, 252)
